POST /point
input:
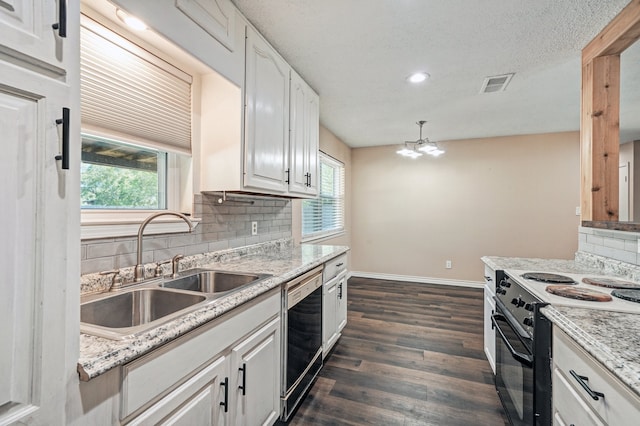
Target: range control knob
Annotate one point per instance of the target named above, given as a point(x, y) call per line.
point(521, 303)
point(514, 301)
point(507, 284)
point(529, 307)
point(528, 321)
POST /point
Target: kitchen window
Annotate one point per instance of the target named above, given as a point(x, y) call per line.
point(136, 132)
point(324, 215)
point(117, 175)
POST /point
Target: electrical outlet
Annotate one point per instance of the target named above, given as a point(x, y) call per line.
point(254, 228)
point(447, 264)
point(577, 211)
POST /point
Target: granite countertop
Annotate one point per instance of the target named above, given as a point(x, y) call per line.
point(610, 337)
point(539, 265)
point(284, 261)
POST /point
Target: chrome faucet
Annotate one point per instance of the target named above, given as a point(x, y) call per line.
point(139, 270)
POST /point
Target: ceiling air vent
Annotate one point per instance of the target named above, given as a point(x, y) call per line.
point(496, 83)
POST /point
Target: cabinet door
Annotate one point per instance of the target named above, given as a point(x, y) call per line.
point(304, 116)
point(313, 136)
point(266, 117)
point(329, 315)
point(27, 32)
point(255, 376)
point(489, 332)
point(198, 401)
point(341, 309)
point(34, 224)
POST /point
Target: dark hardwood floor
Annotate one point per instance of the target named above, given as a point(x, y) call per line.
point(411, 354)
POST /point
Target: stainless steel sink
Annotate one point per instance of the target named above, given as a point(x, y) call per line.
point(132, 312)
point(213, 281)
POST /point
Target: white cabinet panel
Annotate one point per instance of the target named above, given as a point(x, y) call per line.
point(18, 119)
point(38, 227)
point(267, 117)
point(489, 309)
point(27, 32)
point(196, 402)
point(341, 309)
point(329, 315)
point(216, 17)
point(571, 365)
point(304, 139)
point(255, 369)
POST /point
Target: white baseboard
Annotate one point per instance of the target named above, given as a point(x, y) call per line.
point(414, 279)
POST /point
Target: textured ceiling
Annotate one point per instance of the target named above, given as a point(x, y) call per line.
point(357, 53)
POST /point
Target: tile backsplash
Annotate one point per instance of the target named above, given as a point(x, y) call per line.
point(616, 245)
point(223, 225)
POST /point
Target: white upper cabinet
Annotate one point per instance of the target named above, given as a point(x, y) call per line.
point(39, 214)
point(28, 32)
point(212, 31)
point(216, 17)
point(266, 117)
point(304, 122)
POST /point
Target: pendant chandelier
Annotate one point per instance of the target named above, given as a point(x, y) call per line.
point(415, 149)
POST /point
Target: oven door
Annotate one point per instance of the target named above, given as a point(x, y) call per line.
point(514, 371)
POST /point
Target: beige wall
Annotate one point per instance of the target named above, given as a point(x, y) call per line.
point(330, 145)
point(507, 196)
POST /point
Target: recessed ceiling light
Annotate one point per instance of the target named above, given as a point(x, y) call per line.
point(131, 21)
point(417, 77)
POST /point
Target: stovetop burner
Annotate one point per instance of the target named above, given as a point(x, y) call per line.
point(579, 293)
point(631, 295)
point(548, 278)
point(611, 283)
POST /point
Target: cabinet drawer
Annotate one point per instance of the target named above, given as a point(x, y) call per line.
point(618, 406)
point(333, 267)
point(155, 374)
point(568, 406)
point(490, 276)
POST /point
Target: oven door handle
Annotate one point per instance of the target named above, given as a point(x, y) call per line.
point(523, 359)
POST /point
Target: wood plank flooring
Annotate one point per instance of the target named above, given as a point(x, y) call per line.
point(411, 354)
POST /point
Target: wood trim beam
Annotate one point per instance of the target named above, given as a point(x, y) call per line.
point(600, 138)
point(600, 115)
point(618, 35)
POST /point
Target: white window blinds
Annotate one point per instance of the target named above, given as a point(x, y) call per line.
point(125, 90)
point(324, 215)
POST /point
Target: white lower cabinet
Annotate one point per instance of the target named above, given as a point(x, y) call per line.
point(584, 392)
point(489, 309)
point(329, 315)
point(204, 378)
point(255, 368)
point(334, 301)
point(196, 402)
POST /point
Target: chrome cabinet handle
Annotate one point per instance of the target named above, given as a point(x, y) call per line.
point(61, 25)
point(583, 382)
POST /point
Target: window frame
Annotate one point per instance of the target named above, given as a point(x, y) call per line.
point(333, 232)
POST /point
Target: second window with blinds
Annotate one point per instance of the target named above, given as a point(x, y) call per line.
point(324, 216)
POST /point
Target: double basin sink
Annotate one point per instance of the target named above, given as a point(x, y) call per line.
point(131, 312)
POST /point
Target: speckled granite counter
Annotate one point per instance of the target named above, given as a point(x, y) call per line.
point(538, 265)
point(283, 260)
point(610, 337)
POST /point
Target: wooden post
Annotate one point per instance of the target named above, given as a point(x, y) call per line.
point(600, 115)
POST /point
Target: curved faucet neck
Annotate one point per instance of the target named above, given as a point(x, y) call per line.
point(139, 270)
